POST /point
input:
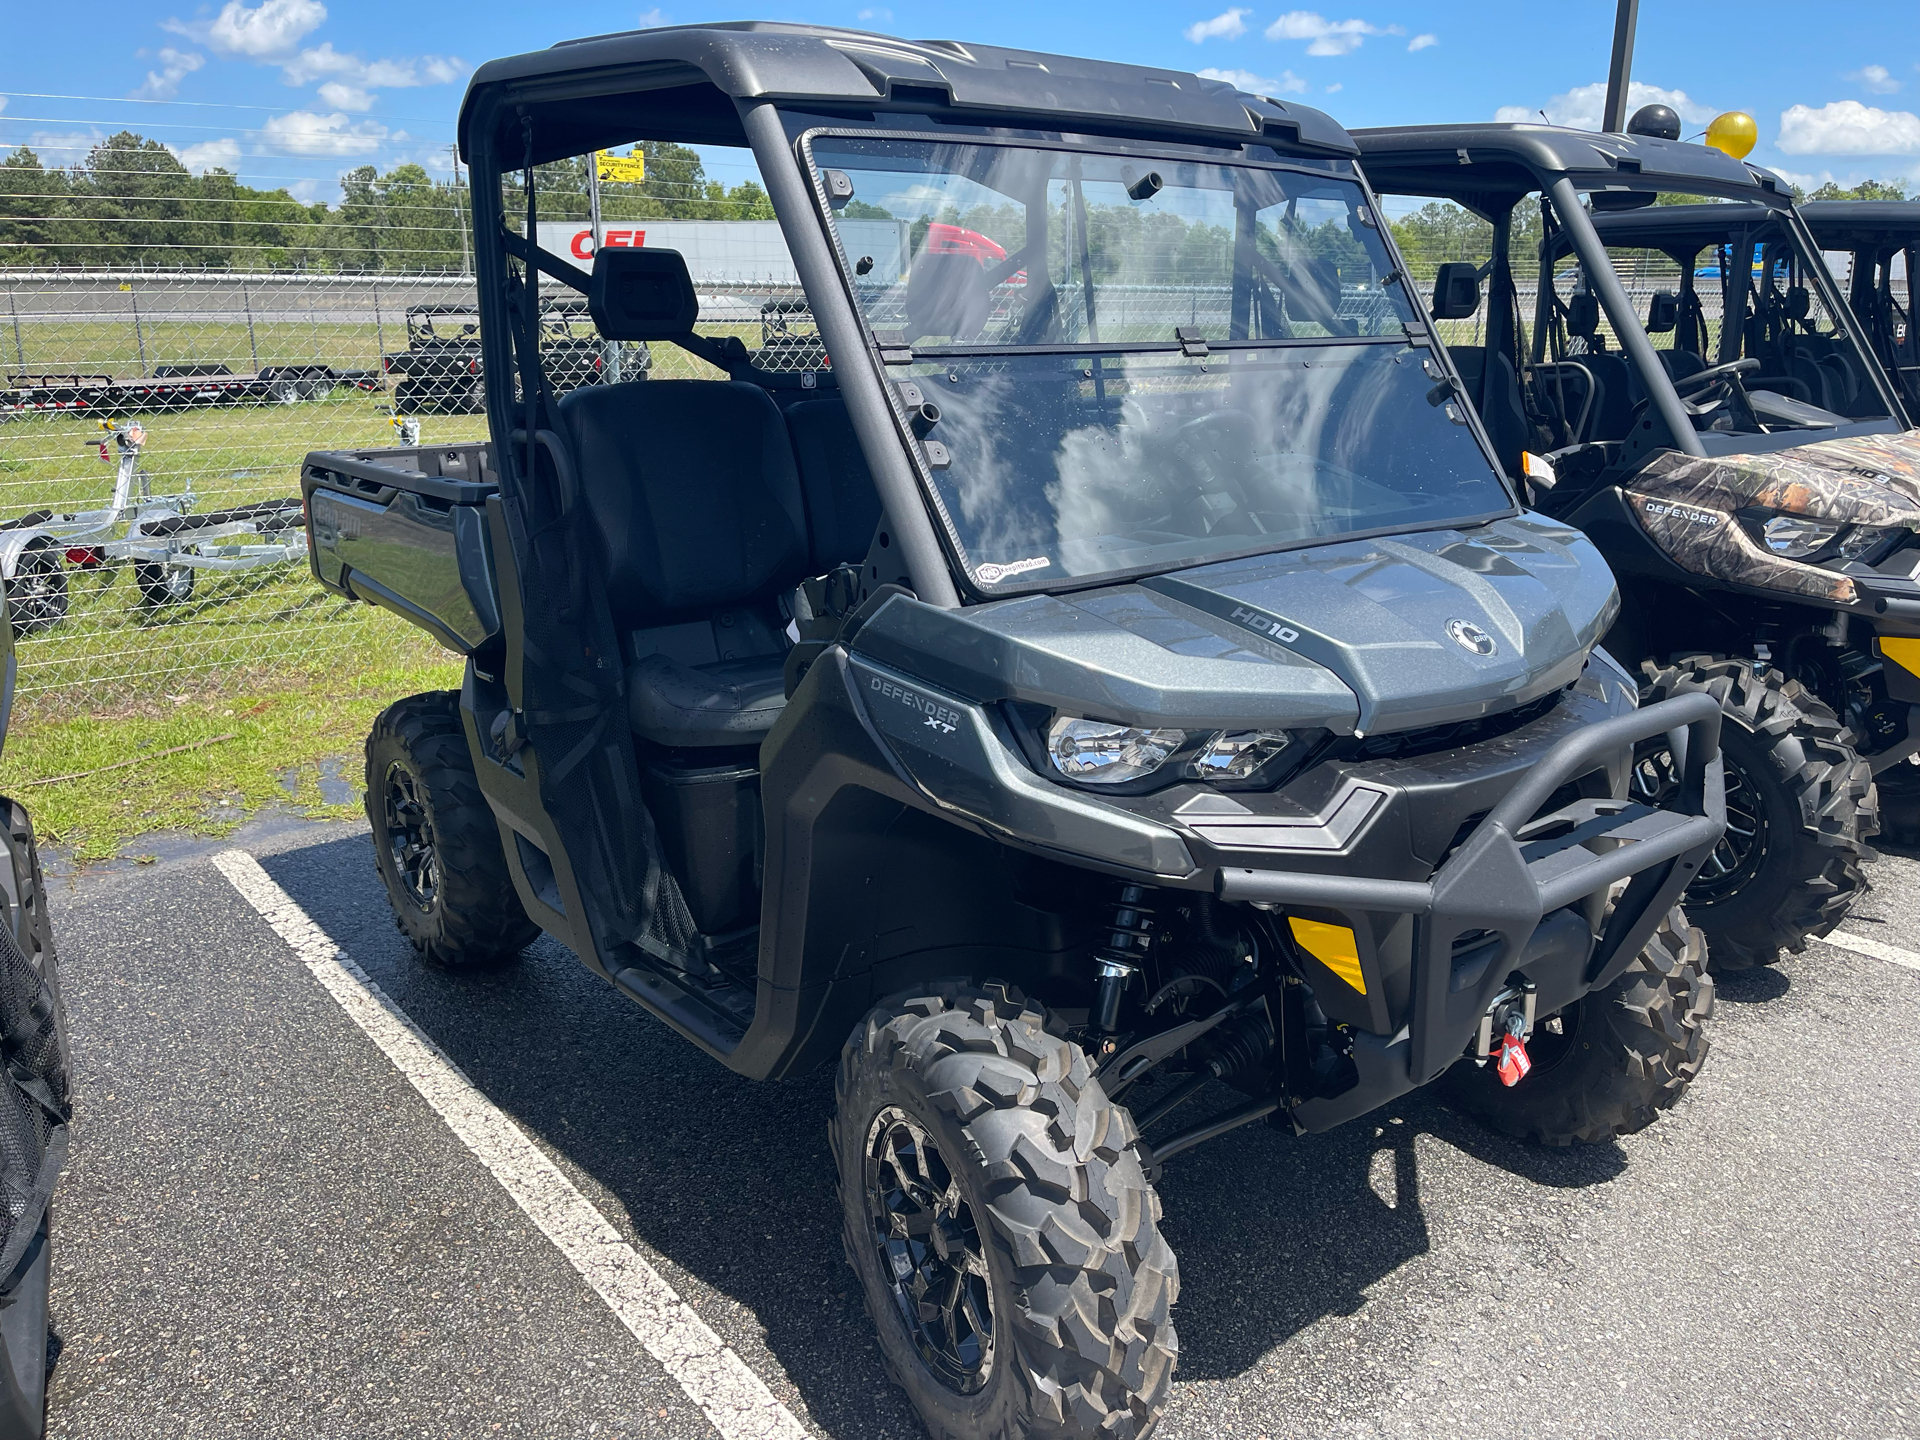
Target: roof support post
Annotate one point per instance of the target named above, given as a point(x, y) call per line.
point(1625, 21)
point(1613, 299)
point(867, 404)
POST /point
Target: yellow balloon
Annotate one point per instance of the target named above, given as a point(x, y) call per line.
point(1733, 132)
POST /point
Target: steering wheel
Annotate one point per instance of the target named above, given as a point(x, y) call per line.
point(1716, 372)
point(1219, 502)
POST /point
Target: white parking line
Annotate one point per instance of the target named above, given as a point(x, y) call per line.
point(1861, 945)
point(713, 1375)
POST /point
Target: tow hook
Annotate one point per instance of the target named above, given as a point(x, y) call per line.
point(1511, 1016)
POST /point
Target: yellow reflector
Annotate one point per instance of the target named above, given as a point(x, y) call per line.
point(1903, 650)
point(1333, 946)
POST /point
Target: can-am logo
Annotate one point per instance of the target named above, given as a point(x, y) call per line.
point(1264, 624)
point(1471, 637)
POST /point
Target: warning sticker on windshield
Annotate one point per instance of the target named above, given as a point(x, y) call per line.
point(994, 574)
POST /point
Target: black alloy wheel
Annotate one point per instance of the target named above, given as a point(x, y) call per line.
point(929, 1245)
point(37, 594)
point(410, 836)
point(436, 844)
point(1742, 849)
point(1800, 808)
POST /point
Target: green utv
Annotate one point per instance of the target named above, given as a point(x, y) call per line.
point(1101, 675)
point(1687, 386)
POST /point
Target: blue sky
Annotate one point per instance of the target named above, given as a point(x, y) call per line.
point(335, 83)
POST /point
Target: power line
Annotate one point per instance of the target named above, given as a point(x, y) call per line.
point(201, 104)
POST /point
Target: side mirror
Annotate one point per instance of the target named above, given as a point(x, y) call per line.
point(1456, 291)
point(1664, 313)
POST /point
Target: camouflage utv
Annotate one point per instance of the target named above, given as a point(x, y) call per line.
point(1687, 385)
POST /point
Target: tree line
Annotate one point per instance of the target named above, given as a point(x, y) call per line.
point(132, 204)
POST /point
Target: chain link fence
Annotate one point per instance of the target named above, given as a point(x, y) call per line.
point(152, 425)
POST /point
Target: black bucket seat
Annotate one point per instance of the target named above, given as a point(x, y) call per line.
point(695, 499)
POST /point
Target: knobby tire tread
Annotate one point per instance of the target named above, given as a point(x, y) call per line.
point(478, 921)
point(1818, 874)
point(1069, 1208)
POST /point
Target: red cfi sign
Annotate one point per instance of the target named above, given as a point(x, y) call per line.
point(624, 239)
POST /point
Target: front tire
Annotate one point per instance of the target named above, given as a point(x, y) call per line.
point(1619, 1057)
point(1800, 809)
point(435, 842)
point(37, 595)
point(1005, 1235)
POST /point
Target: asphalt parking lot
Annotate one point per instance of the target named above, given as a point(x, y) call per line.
point(267, 1230)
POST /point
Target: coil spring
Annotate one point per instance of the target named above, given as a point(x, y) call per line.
point(1130, 932)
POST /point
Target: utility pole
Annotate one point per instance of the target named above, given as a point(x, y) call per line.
point(610, 350)
point(1625, 21)
point(459, 216)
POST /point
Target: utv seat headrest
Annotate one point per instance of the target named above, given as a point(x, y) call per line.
point(1798, 302)
point(642, 295)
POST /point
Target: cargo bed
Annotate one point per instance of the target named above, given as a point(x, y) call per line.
point(405, 528)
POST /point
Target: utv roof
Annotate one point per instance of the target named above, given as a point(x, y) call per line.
point(1863, 224)
point(679, 82)
point(1836, 224)
point(1677, 227)
point(1482, 158)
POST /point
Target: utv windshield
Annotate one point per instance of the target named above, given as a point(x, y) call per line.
point(1141, 362)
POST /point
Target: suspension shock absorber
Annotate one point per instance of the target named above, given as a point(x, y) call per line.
point(1129, 933)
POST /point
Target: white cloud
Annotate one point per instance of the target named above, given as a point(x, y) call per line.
point(872, 12)
point(1326, 37)
point(1583, 107)
point(301, 132)
point(1875, 80)
point(1421, 42)
point(1227, 25)
point(657, 16)
point(305, 191)
point(1335, 88)
point(209, 155)
point(344, 97)
point(1288, 83)
point(175, 66)
point(1846, 127)
point(270, 29)
point(325, 61)
point(64, 147)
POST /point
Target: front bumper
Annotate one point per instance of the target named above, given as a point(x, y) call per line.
point(1502, 886)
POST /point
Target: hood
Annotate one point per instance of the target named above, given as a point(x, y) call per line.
point(1688, 504)
point(1366, 635)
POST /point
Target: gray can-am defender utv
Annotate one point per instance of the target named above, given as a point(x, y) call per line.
point(36, 1108)
point(1105, 674)
point(1734, 452)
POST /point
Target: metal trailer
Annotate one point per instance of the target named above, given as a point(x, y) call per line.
point(177, 387)
point(165, 542)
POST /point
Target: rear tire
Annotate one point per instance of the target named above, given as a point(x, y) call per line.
point(1623, 1054)
point(965, 1130)
point(162, 585)
point(435, 842)
point(1800, 808)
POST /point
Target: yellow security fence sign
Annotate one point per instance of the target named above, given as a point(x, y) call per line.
point(622, 169)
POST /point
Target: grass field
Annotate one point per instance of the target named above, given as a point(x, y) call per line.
point(294, 675)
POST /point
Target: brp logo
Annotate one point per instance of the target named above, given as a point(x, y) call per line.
point(1470, 637)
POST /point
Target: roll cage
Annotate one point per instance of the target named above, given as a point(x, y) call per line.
point(1490, 169)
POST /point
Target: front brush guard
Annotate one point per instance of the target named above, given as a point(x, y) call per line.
point(1513, 870)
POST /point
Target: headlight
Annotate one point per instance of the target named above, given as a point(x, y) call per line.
point(1796, 536)
point(1237, 754)
point(1096, 753)
point(1799, 537)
